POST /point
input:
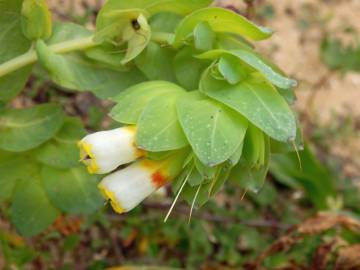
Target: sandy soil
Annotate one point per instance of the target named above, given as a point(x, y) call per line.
point(323, 95)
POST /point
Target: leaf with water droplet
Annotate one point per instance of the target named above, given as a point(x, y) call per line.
point(213, 130)
point(158, 125)
point(257, 100)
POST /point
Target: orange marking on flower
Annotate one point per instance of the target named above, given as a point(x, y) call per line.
point(158, 179)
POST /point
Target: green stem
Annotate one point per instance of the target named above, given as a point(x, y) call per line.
point(31, 57)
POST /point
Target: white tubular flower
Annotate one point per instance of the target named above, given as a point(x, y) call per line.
point(104, 151)
point(128, 187)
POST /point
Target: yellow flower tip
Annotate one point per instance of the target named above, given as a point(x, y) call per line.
point(87, 157)
point(91, 166)
point(108, 195)
point(85, 150)
point(117, 207)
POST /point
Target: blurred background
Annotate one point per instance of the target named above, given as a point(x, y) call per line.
point(301, 219)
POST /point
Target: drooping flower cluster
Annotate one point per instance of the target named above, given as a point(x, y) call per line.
point(206, 91)
point(102, 152)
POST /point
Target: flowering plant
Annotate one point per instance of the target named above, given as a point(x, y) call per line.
point(197, 104)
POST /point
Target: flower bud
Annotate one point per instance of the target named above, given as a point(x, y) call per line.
point(104, 151)
point(36, 19)
point(128, 187)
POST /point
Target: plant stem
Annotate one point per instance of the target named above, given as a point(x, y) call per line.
point(64, 47)
point(31, 57)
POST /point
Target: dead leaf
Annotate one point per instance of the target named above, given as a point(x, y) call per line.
point(67, 225)
point(348, 258)
point(325, 221)
point(312, 226)
point(130, 239)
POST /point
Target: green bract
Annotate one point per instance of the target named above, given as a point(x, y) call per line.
point(183, 73)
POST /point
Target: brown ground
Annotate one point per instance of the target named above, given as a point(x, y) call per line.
point(323, 95)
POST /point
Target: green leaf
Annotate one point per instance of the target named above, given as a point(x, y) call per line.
point(270, 71)
point(254, 61)
point(288, 94)
point(24, 129)
point(219, 181)
point(11, 84)
point(317, 181)
point(159, 155)
point(10, 6)
point(204, 37)
point(13, 43)
point(65, 31)
point(195, 178)
point(156, 62)
point(131, 102)
point(158, 126)
point(228, 41)
point(206, 172)
point(252, 178)
point(220, 20)
point(235, 158)
point(231, 69)
point(293, 146)
point(182, 7)
point(12, 168)
point(36, 19)
point(31, 211)
point(213, 130)
point(182, 61)
point(338, 56)
point(74, 71)
point(61, 151)
point(73, 190)
point(189, 192)
point(108, 55)
point(254, 146)
point(164, 22)
point(258, 101)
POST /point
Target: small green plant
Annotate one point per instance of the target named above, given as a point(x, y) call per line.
point(197, 104)
point(337, 56)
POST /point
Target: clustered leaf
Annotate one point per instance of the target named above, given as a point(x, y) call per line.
point(230, 106)
point(39, 169)
point(185, 74)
